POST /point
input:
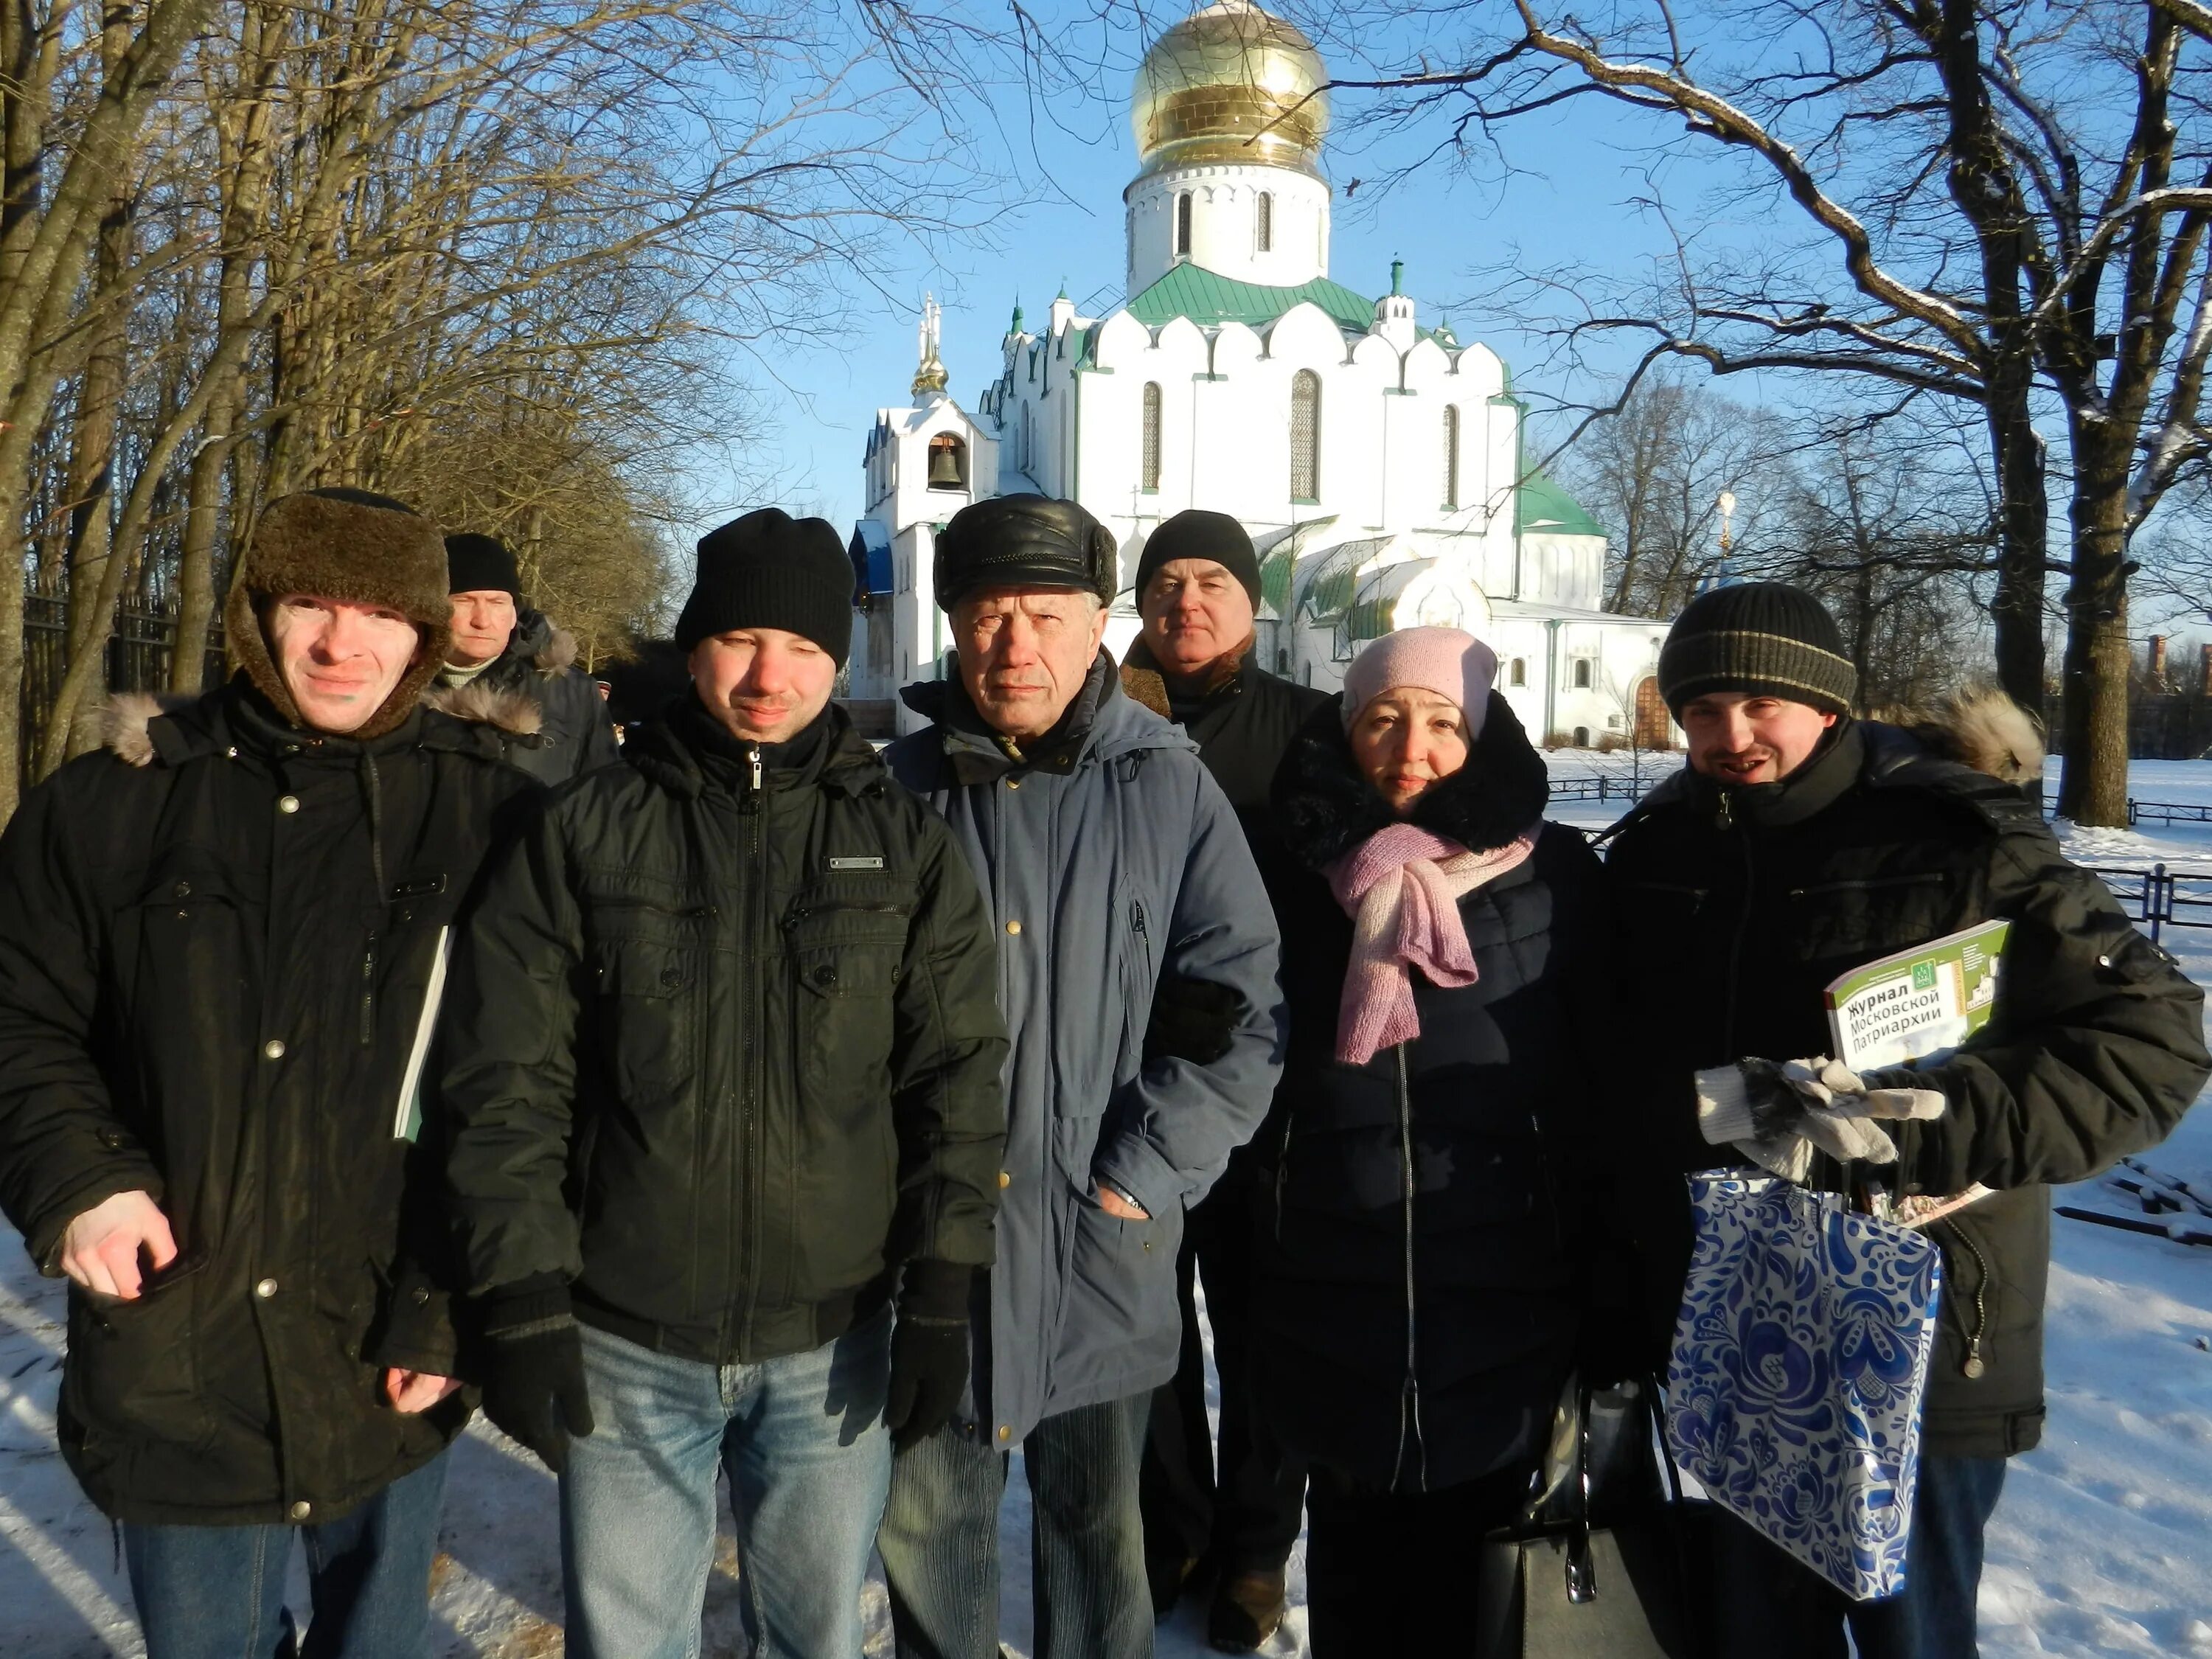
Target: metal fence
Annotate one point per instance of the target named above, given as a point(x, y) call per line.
point(2160, 897)
point(2168, 811)
point(139, 651)
point(1602, 787)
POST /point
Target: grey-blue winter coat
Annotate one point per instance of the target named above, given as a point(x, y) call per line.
point(1108, 862)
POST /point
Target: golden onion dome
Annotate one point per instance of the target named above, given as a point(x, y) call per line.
point(1231, 83)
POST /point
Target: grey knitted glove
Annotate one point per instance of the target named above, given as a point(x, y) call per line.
point(1777, 1114)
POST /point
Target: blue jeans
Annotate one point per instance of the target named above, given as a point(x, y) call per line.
point(218, 1592)
point(940, 1540)
point(802, 1438)
point(1768, 1604)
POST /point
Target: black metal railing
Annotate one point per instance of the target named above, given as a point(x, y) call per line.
point(139, 650)
point(1601, 786)
point(2160, 897)
point(2169, 811)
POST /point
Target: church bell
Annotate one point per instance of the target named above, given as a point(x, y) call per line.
point(944, 468)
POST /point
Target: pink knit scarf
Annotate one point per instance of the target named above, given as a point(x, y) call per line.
point(1402, 888)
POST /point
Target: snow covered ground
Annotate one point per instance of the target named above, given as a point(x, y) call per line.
point(2101, 1547)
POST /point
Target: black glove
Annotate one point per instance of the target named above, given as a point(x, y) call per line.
point(929, 1350)
point(534, 1385)
point(1192, 1019)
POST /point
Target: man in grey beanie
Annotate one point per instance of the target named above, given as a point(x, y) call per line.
point(1801, 842)
point(723, 1082)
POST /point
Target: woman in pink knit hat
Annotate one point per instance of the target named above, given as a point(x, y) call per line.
point(1425, 1263)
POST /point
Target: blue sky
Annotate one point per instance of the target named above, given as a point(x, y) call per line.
point(1566, 199)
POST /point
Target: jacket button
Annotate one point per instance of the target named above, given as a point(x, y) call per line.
point(1013, 783)
point(825, 974)
point(671, 977)
point(1004, 1181)
point(300, 1511)
point(112, 1141)
point(420, 1295)
point(1013, 927)
point(288, 802)
point(182, 890)
point(274, 1049)
point(1006, 1431)
point(265, 1289)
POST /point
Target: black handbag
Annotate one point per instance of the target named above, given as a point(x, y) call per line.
point(1597, 1565)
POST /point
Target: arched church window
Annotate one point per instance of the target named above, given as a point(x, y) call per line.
point(1305, 436)
point(1451, 457)
point(1029, 437)
point(1581, 673)
point(1183, 224)
point(1263, 237)
point(1518, 673)
point(1151, 461)
point(948, 462)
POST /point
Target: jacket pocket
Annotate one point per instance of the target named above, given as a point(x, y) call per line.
point(133, 1367)
point(844, 956)
point(647, 990)
point(1868, 915)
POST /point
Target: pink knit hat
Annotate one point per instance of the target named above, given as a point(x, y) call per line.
point(1447, 661)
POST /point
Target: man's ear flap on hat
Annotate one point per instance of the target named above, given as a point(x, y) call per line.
point(1105, 567)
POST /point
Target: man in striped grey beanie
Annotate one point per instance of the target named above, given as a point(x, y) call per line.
point(1801, 842)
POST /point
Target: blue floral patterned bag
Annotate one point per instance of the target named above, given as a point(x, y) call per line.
point(1801, 1359)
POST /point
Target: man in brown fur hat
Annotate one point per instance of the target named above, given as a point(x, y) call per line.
point(221, 940)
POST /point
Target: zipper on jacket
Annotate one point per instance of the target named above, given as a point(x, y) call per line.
point(1409, 1410)
point(368, 994)
point(1742, 924)
point(751, 1058)
point(1973, 1365)
point(866, 908)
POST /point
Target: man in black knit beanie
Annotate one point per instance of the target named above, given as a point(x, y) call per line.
point(725, 1094)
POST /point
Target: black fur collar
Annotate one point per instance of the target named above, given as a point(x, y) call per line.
point(1325, 808)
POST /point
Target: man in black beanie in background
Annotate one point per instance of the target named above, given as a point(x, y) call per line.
point(1196, 662)
point(739, 991)
point(505, 658)
point(1798, 844)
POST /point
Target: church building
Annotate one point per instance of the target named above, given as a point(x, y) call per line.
point(1377, 462)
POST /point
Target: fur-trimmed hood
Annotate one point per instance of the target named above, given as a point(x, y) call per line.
point(126, 719)
point(1325, 807)
point(1982, 727)
point(513, 711)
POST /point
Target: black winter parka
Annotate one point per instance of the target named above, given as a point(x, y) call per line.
point(1429, 1224)
point(575, 734)
point(213, 963)
point(724, 1049)
point(1742, 904)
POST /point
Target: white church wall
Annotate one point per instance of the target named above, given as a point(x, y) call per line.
point(1225, 225)
point(1568, 571)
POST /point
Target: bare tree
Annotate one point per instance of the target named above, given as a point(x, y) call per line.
point(1654, 470)
point(508, 258)
point(2001, 203)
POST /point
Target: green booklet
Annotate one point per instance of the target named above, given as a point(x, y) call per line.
point(1919, 1004)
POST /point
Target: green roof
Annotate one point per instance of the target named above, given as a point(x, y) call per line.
point(1275, 572)
point(1542, 507)
point(1207, 299)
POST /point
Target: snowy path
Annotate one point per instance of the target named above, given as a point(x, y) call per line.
point(2102, 1548)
